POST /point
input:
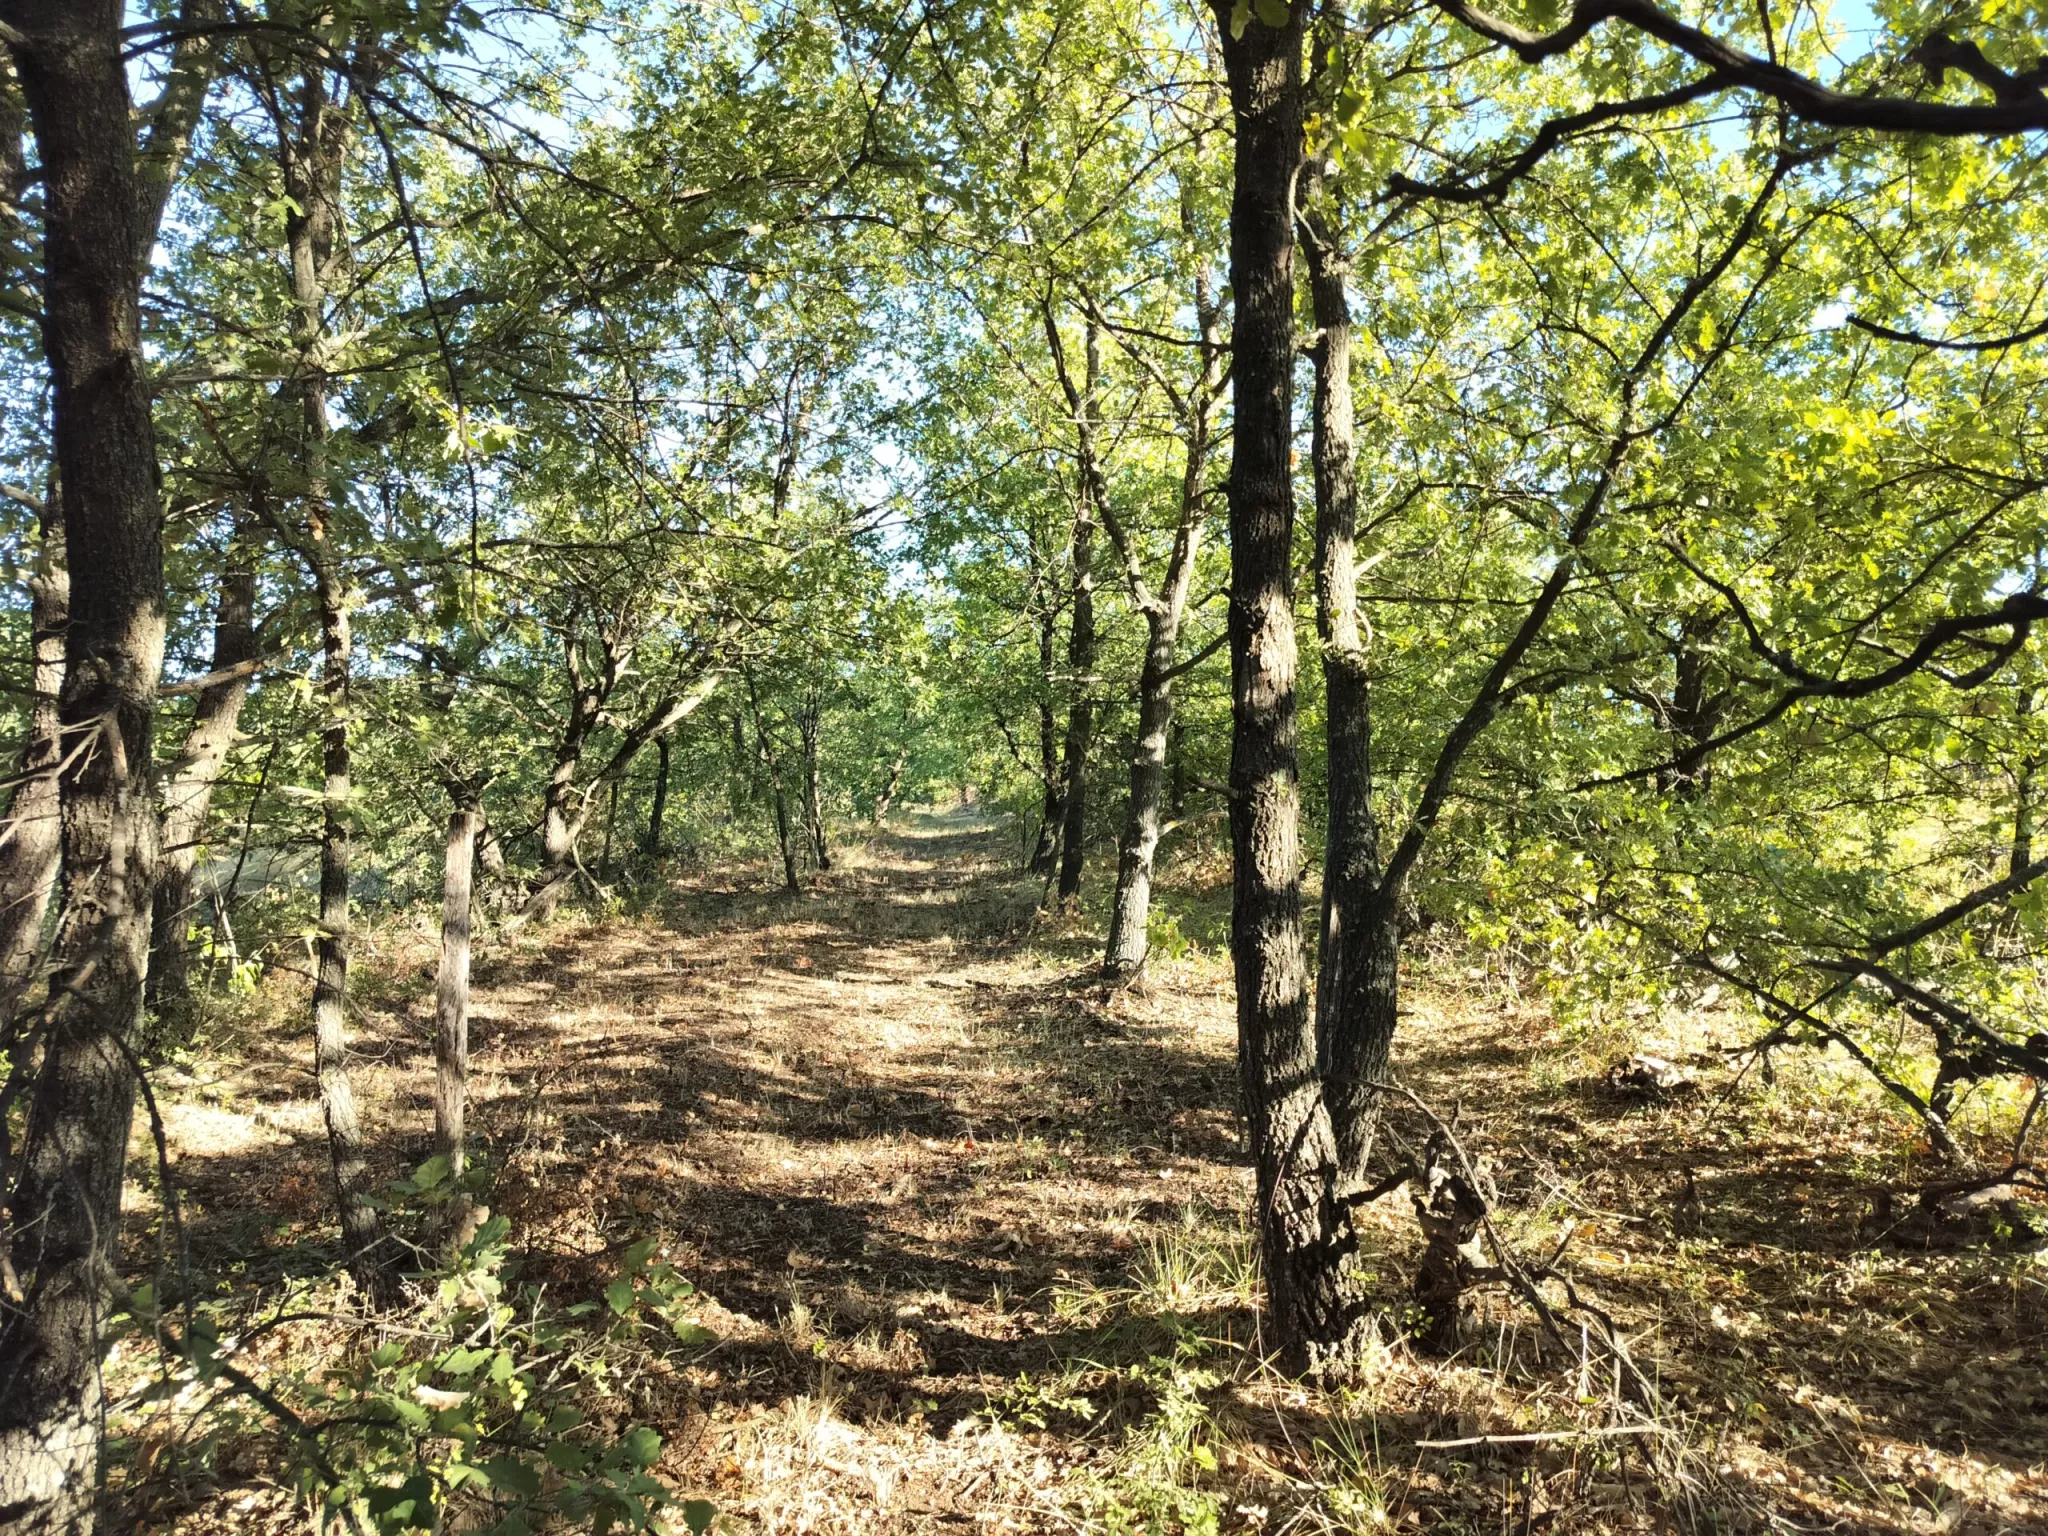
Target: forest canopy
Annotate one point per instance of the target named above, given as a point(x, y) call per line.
point(1286, 534)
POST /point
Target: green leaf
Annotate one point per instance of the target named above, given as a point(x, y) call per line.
point(1274, 13)
point(641, 1445)
point(619, 1296)
point(698, 1515)
point(511, 1475)
point(431, 1172)
point(567, 1456)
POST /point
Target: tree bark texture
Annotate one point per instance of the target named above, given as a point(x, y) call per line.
point(657, 815)
point(63, 1185)
point(189, 785)
point(451, 985)
point(1357, 990)
point(312, 151)
point(1131, 910)
point(1313, 1293)
point(30, 839)
point(1045, 853)
point(887, 797)
point(1081, 648)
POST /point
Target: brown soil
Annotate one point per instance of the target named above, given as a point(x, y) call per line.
point(957, 1210)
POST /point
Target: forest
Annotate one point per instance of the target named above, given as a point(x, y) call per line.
point(1190, 767)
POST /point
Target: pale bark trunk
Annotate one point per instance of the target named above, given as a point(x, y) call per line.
point(189, 786)
point(1130, 914)
point(1313, 1295)
point(32, 835)
point(312, 152)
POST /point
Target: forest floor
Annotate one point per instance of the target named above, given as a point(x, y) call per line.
point(969, 1230)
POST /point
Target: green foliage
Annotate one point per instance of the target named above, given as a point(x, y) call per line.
point(477, 1409)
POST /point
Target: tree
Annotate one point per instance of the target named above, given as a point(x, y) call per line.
point(103, 192)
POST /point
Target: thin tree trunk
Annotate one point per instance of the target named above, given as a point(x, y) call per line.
point(1130, 915)
point(1313, 1294)
point(1357, 992)
point(784, 838)
point(1081, 647)
point(1045, 853)
point(611, 822)
point(451, 984)
point(30, 841)
point(312, 159)
point(811, 725)
point(888, 796)
point(63, 1198)
point(188, 789)
point(659, 813)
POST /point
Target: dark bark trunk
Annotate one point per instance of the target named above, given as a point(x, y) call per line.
point(560, 821)
point(1357, 990)
point(1045, 853)
point(63, 1192)
point(785, 839)
point(1081, 646)
point(451, 984)
point(30, 841)
point(658, 815)
point(887, 797)
point(188, 789)
point(811, 726)
point(1313, 1294)
point(1177, 755)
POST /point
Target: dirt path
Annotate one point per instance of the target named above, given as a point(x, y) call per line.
point(874, 1129)
point(970, 1228)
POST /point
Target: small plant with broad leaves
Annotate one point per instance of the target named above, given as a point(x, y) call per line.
point(471, 1415)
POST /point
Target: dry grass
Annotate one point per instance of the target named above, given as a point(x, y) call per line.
point(971, 1234)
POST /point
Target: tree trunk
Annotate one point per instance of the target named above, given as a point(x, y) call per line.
point(888, 796)
point(1357, 990)
point(1313, 1294)
point(811, 726)
point(1130, 915)
point(312, 159)
point(1081, 646)
point(359, 1225)
point(188, 789)
point(451, 984)
point(29, 844)
point(559, 823)
point(1045, 853)
point(785, 839)
point(659, 813)
point(64, 1203)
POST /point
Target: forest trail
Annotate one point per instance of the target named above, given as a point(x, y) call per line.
point(969, 1225)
